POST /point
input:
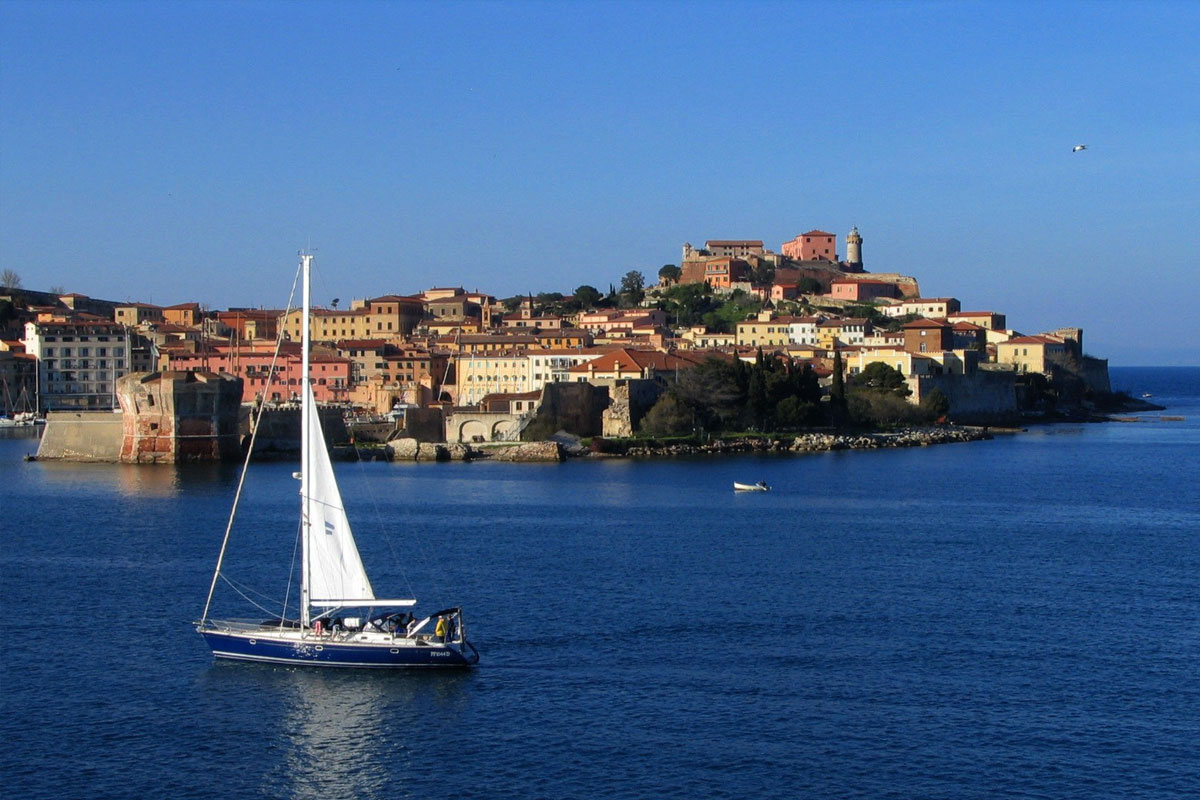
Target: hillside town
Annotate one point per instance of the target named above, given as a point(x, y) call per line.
point(456, 365)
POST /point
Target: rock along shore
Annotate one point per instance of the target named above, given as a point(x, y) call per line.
point(409, 450)
point(816, 442)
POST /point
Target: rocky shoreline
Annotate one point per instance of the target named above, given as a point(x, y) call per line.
point(551, 451)
point(818, 442)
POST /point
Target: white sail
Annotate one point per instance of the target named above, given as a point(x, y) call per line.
point(335, 570)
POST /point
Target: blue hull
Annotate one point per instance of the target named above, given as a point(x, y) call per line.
point(327, 654)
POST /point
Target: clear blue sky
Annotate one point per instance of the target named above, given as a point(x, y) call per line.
point(172, 152)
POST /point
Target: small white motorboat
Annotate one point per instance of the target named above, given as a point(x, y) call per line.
point(761, 486)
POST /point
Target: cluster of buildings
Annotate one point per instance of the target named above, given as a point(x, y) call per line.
point(449, 348)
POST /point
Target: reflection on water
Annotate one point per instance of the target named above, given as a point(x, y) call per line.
point(130, 480)
point(346, 733)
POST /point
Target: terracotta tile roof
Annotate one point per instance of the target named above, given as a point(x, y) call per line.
point(1034, 340)
point(926, 323)
point(251, 313)
point(320, 356)
point(819, 233)
point(533, 395)
point(642, 359)
point(98, 322)
point(394, 298)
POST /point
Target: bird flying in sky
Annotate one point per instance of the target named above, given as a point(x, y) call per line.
point(1078, 147)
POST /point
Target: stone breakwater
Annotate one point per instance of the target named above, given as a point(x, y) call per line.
point(410, 450)
point(816, 442)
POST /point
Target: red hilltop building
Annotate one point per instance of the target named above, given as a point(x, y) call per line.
point(812, 246)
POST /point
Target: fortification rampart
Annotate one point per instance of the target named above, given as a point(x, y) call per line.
point(983, 397)
point(81, 436)
point(170, 417)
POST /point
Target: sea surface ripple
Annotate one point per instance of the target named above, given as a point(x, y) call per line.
point(1015, 618)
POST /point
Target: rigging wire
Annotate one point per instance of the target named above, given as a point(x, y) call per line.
point(239, 589)
point(292, 569)
point(379, 520)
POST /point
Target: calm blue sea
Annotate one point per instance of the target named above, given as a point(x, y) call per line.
point(1011, 618)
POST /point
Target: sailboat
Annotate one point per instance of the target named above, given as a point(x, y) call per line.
point(25, 417)
point(341, 623)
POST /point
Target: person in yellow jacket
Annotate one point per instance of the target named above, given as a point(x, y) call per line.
point(441, 628)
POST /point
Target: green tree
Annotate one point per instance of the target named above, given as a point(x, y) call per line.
point(633, 281)
point(715, 393)
point(667, 417)
point(756, 397)
point(670, 273)
point(763, 274)
point(588, 296)
point(633, 288)
point(809, 285)
point(837, 391)
point(687, 303)
point(792, 413)
point(881, 377)
point(935, 404)
point(873, 407)
point(735, 309)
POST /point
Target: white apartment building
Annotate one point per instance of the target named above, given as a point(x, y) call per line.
point(803, 330)
point(553, 366)
point(928, 307)
point(78, 362)
point(481, 374)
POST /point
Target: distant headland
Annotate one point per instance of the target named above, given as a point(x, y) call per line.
point(735, 339)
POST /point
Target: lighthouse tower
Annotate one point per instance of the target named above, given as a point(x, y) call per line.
point(854, 250)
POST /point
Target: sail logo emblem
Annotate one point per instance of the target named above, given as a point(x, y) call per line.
point(328, 528)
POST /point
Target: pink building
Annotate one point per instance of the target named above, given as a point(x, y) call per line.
point(608, 320)
point(812, 246)
point(718, 272)
point(862, 290)
point(252, 363)
point(784, 291)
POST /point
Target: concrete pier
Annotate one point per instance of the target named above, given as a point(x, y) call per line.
point(82, 436)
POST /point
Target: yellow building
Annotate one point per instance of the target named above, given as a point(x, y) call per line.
point(908, 364)
point(1032, 353)
point(698, 337)
point(764, 331)
point(387, 317)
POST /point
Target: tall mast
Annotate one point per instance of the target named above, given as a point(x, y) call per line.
point(305, 442)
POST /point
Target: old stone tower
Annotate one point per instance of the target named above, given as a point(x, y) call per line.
point(854, 248)
point(170, 417)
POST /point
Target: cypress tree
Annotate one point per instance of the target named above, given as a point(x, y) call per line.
point(837, 391)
